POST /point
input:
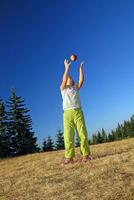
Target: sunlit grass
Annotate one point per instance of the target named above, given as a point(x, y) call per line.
point(108, 176)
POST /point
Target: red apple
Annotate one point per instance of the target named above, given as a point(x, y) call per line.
point(73, 57)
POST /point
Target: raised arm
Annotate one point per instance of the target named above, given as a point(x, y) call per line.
point(81, 76)
point(65, 75)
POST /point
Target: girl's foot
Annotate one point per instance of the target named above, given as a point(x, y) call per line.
point(86, 158)
point(68, 161)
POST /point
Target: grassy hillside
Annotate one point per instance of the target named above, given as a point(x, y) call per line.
point(109, 176)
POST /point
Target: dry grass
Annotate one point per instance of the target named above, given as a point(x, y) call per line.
point(108, 176)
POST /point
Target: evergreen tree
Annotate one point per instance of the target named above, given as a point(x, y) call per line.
point(59, 140)
point(104, 136)
point(50, 144)
point(4, 139)
point(129, 129)
point(99, 137)
point(94, 139)
point(115, 135)
point(89, 141)
point(119, 132)
point(20, 127)
point(110, 137)
point(124, 129)
point(44, 148)
point(132, 126)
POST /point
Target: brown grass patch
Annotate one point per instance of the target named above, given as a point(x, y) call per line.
point(108, 176)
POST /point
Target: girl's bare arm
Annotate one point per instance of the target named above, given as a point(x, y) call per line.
point(65, 75)
point(81, 76)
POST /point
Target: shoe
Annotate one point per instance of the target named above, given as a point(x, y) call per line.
point(86, 158)
point(68, 161)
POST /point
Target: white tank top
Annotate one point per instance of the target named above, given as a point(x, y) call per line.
point(70, 97)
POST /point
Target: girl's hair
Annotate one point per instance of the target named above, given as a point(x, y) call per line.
point(72, 79)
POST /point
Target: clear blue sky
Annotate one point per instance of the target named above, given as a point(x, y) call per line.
point(36, 37)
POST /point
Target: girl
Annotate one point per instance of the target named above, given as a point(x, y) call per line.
point(73, 117)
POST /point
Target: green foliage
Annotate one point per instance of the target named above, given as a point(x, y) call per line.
point(4, 137)
point(44, 148)
point(16, 126)
point(122, 131)
point(59, 140)
point(94, 138)
point(50, 144)
point(104, 136)
point(99, 137)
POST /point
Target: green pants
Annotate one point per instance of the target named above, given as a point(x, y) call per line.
point(74, 119)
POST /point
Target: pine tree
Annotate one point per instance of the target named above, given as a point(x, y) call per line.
point(44, 148)
point(119, 132)
point(115, 135)
point(20, 127)
point(124, 129)
point(110, 137)
point(50, 144)
point(59, 140)
point(94, 139)
point(4, 139)
point(129, 130)
point(99, 137)
point(104, 135)
point(132, 126)
point(89, 141)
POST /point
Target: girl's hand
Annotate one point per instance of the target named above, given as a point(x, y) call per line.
point(67, 65)
point(81, 65)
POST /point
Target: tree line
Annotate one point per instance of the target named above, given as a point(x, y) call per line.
point(18, 138)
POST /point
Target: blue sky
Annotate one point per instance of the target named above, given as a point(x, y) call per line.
point(36, 37)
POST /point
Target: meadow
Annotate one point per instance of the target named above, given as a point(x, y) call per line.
point(39, 176)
